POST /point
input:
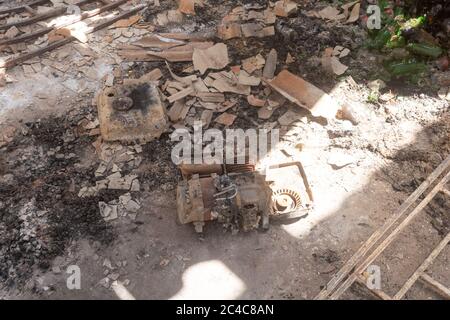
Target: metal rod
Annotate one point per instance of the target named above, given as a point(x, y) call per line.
point(438, 287)
point(23, 8)
point(377, 235)
point(386, 242)
point(423, 267)
point(26, 56)
point(36, 18)
point(83, 16)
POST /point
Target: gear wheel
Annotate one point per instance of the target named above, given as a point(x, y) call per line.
point(285, 201)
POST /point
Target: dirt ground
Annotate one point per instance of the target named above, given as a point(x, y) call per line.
point(48, 156)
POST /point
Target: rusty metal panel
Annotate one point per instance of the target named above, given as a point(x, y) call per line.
point(131, 112)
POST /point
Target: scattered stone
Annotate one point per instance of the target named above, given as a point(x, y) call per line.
point(87, 192)
point(108, 211)
point(117, 182)
point(227, 31)
point(376, 85)
point(178, 111)
point(256, 30)
point(56, 270)
point(107, 263)
point(443, 93)
point(253, 63)
point(114, 276)
point(164, 262)
point(206, 118)
point(245, 79)
point(104, 282)
point(135, 185)
point(228, 82)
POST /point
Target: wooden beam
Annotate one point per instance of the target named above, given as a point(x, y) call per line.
point(83, 16)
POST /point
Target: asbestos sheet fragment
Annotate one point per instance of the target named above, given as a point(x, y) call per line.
point(228, 82)
point(178, 111)
point(271, 64)
point(108, 211)
point(206, 118)
point(330, 61)
point(255, 102)
point(117, 182)
point(253, 63)
point(256, 30)
point(289, 117)
point(216, 97)
point(215, 58)
point(248, 80)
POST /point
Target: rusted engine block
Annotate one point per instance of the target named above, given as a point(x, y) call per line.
point(131, 112)
point(241, 198)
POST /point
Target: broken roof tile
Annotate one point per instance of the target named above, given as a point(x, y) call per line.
point(253, 63)
point(305, 94)
point(226, 119)
point(215, 57)
point(271, 64)
point(187, 7)
point(254, 101)
point(230, 30)
point(284, 8)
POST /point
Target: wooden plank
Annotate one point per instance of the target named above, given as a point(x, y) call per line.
point(423, 267)
point(386, 242)
point(83, 16)
point(438, 287)
point(377, 235)
point(26, 56)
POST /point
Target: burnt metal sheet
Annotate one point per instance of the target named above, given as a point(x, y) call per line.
point(132, 112)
